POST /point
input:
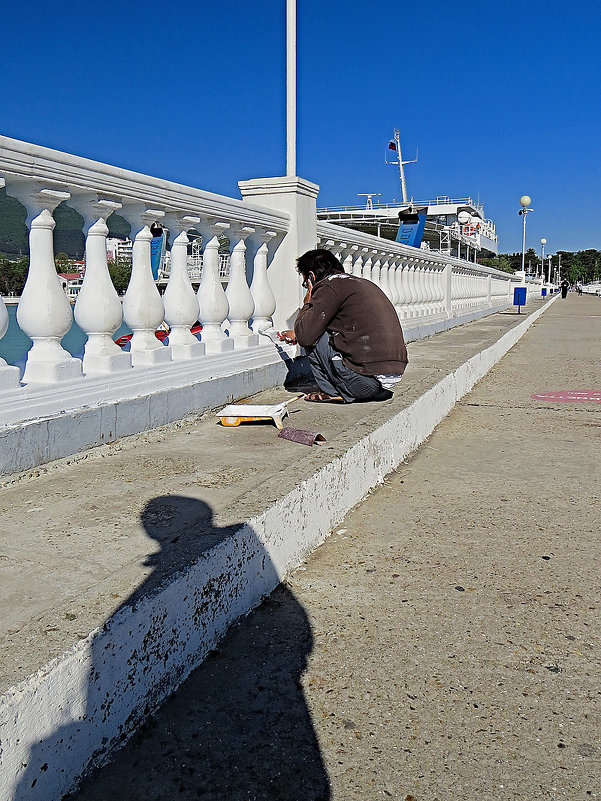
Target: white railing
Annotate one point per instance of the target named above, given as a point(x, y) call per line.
point(424, 286)
point(262, 287)
point(41, 179)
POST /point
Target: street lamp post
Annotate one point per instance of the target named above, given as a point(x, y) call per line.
point(550, 268)
point(542, 261)
point(525, 201)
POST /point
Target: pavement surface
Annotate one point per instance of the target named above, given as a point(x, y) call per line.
point(443, 643)
point(91, 540)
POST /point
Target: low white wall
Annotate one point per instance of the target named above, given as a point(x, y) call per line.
point(43, 424)
point(69, 715)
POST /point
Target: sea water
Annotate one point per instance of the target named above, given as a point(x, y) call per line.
point(15, 344)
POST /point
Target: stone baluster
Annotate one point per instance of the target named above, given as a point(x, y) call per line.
point(143, 308)
point(98, 309)
point(385, 279)
point(439, 277)
point(400, 275)
point(366, 269)
point(376, 271)
point(44, 312)
point(415, 290)
point(339, 250)
point(347, 261)
point(263, 297)
point(212, 301)
point(430, 306)
point(358, 264)
point(180, 301)
point(238, 294)
point(9, 376)
point(420, 287)
point(388, 269)
point(455, 292)
point(411, 291)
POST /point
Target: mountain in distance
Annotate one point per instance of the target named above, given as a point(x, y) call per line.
point(68, 236)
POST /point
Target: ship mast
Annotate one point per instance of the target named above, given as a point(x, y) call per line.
point(400, 162)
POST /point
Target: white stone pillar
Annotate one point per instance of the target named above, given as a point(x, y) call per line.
point(238, 294)
point(297, 198)
point(263, 297)
point(212, 301)
point(44, 312)
point(98, 308)
point(180, 301)
point(143, 308)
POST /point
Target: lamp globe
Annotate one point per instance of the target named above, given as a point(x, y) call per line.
point(525, 200)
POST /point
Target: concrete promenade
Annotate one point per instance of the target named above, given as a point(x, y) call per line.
point(443, 640)
point(448, 631)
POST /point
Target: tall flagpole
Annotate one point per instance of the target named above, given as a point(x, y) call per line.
point(290, 87)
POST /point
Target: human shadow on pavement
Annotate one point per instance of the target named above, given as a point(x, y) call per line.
point(239, 727)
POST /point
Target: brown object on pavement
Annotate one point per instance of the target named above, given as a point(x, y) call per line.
point(303, 437)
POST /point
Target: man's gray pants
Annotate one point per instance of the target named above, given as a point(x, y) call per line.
point(333, 377)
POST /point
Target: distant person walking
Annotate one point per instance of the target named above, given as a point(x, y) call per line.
point(565, 285)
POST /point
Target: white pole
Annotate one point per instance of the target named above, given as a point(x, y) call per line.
point(290, 87)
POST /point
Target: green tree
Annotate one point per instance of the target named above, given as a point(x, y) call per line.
point(13, 275)
point(120, 272)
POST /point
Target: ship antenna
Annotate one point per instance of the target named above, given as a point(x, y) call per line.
point(400, 162)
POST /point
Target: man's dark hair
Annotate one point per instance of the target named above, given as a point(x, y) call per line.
point(320, 262)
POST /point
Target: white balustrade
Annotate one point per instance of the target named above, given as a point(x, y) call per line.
point(98, 309)
point(44, 313)
point(212, 301)
point(239, 297)
point(260, 289)
point(180, 301)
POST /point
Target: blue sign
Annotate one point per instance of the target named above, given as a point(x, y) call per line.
point(519, 296)
point(411, 228)
point(157, 251)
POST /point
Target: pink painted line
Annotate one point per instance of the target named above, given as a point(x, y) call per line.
point(570, 396)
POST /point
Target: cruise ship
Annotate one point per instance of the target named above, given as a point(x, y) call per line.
point(454, 226)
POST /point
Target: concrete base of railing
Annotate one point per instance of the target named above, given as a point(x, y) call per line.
point(58, 722)
point(40, 424)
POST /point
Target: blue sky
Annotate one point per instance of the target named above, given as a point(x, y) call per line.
point(501, 98)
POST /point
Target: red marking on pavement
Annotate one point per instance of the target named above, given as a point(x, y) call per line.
point(570, 396)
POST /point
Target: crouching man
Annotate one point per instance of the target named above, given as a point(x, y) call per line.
point(350, 331)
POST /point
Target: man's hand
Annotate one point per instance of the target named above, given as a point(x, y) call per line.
point(287, 336)
point(309, 286)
